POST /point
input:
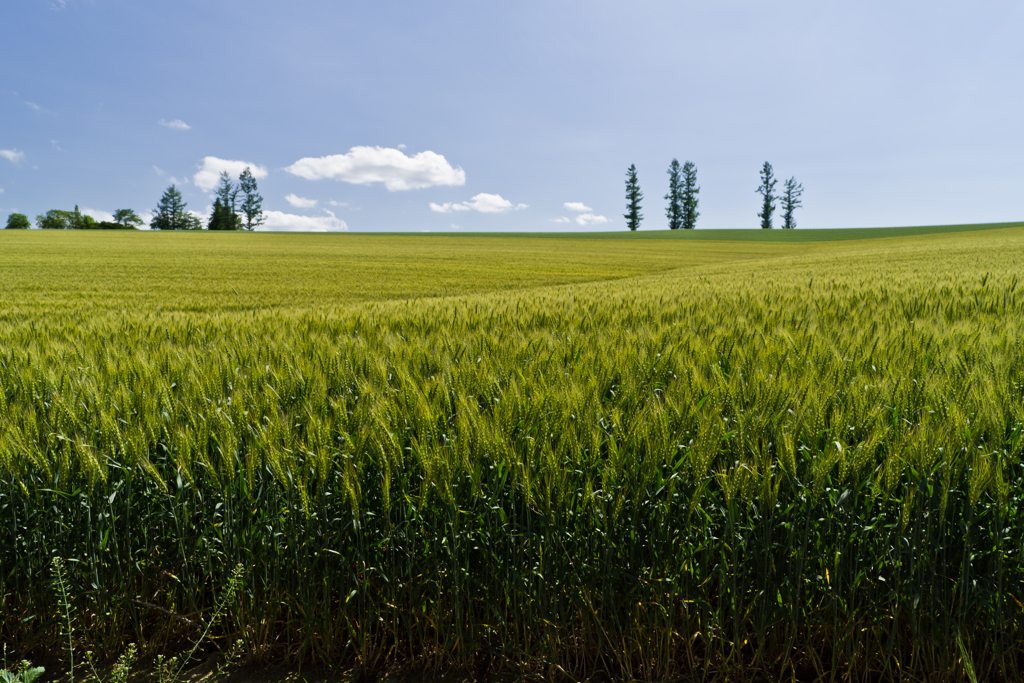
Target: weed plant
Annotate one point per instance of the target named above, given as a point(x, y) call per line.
point(802, 467)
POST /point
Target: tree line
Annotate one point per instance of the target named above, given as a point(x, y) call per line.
point(229, 212)
point(682, 198)
point(55, 219)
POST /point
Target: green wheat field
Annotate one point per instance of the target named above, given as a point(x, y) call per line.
point(712, 456)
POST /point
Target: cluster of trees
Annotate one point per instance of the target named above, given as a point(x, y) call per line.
point(790, 199)
point(170, 214)
point(228, 214)
point(55, 219)
point(682, 198)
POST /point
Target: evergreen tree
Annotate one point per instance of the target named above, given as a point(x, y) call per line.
point(170, 212)
point(226, 192)
point(252, 204)
point(217, 219)
point(791, 202)
point(690, 192)
point(767, 192)
point(224, 216)
point(18, 221)
point(674, 212)
point(633, 197)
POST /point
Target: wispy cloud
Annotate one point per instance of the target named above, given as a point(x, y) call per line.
point(483, 202)
point(98, 214)
point(174, 181)
point(176, 124)
point(561, 219)
point(211, 168)
point(577, 206)
point(367, 165)
point(300, 202)
point(334, 203)
point(591, 219)
point(12, 155)
point(278, 220)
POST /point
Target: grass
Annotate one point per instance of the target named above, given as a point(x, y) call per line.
point(638, 459)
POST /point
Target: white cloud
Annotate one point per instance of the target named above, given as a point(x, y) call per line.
point(98, 214)
point(176, 124)
point(366, 165)
point(174, 181)
point(277, 220)
point(483, 202)
point(456, 227)
point(300, 202)
point(401, 147)
point(334, 203)
point(577, 206)
point(34, 106)
point(560, 219)
point(591, 219)
point(209, 173)
point(12, 155)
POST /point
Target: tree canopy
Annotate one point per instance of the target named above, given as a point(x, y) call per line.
point(18, 221)
point(55, 219)
point(127, 218)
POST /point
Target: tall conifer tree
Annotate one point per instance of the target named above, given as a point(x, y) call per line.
point(690, 190)
point(633, 198)
point(791, 202)
point(674, 212)
point(767, 192)
point(224, 216)
point(252, 202)
point(170, 212)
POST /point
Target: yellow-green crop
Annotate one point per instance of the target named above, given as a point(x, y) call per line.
point(633, 458)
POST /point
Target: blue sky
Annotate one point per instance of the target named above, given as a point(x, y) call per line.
point(486, 116)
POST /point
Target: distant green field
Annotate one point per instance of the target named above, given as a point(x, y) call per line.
point(215, 271)
point(198, 272)
point(557, 458)
point(786, 236)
